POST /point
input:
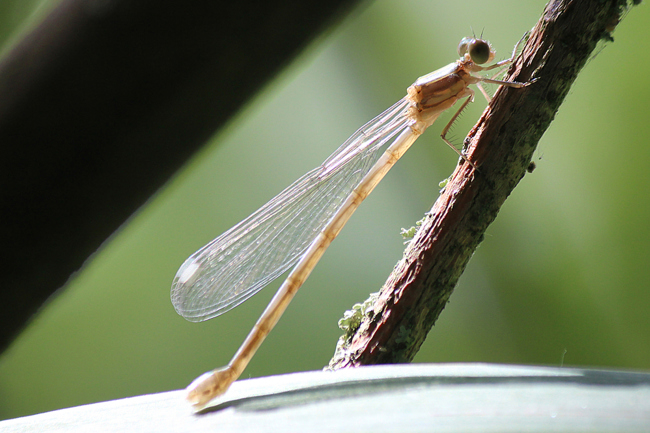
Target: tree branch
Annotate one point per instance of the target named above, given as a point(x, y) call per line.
point(502, 144)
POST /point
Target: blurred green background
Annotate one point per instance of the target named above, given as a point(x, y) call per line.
point(563, 268)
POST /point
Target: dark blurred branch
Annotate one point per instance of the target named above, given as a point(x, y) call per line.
point(103, 101)
point(502, 145)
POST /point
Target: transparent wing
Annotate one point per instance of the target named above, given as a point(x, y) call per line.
point(243, 260)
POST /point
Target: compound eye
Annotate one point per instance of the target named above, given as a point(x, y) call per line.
point(463, 47)
point(480, 51)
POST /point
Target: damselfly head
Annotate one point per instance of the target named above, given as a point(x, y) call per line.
point(479, 51)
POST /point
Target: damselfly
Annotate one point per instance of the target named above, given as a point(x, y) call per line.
point(298, 225)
